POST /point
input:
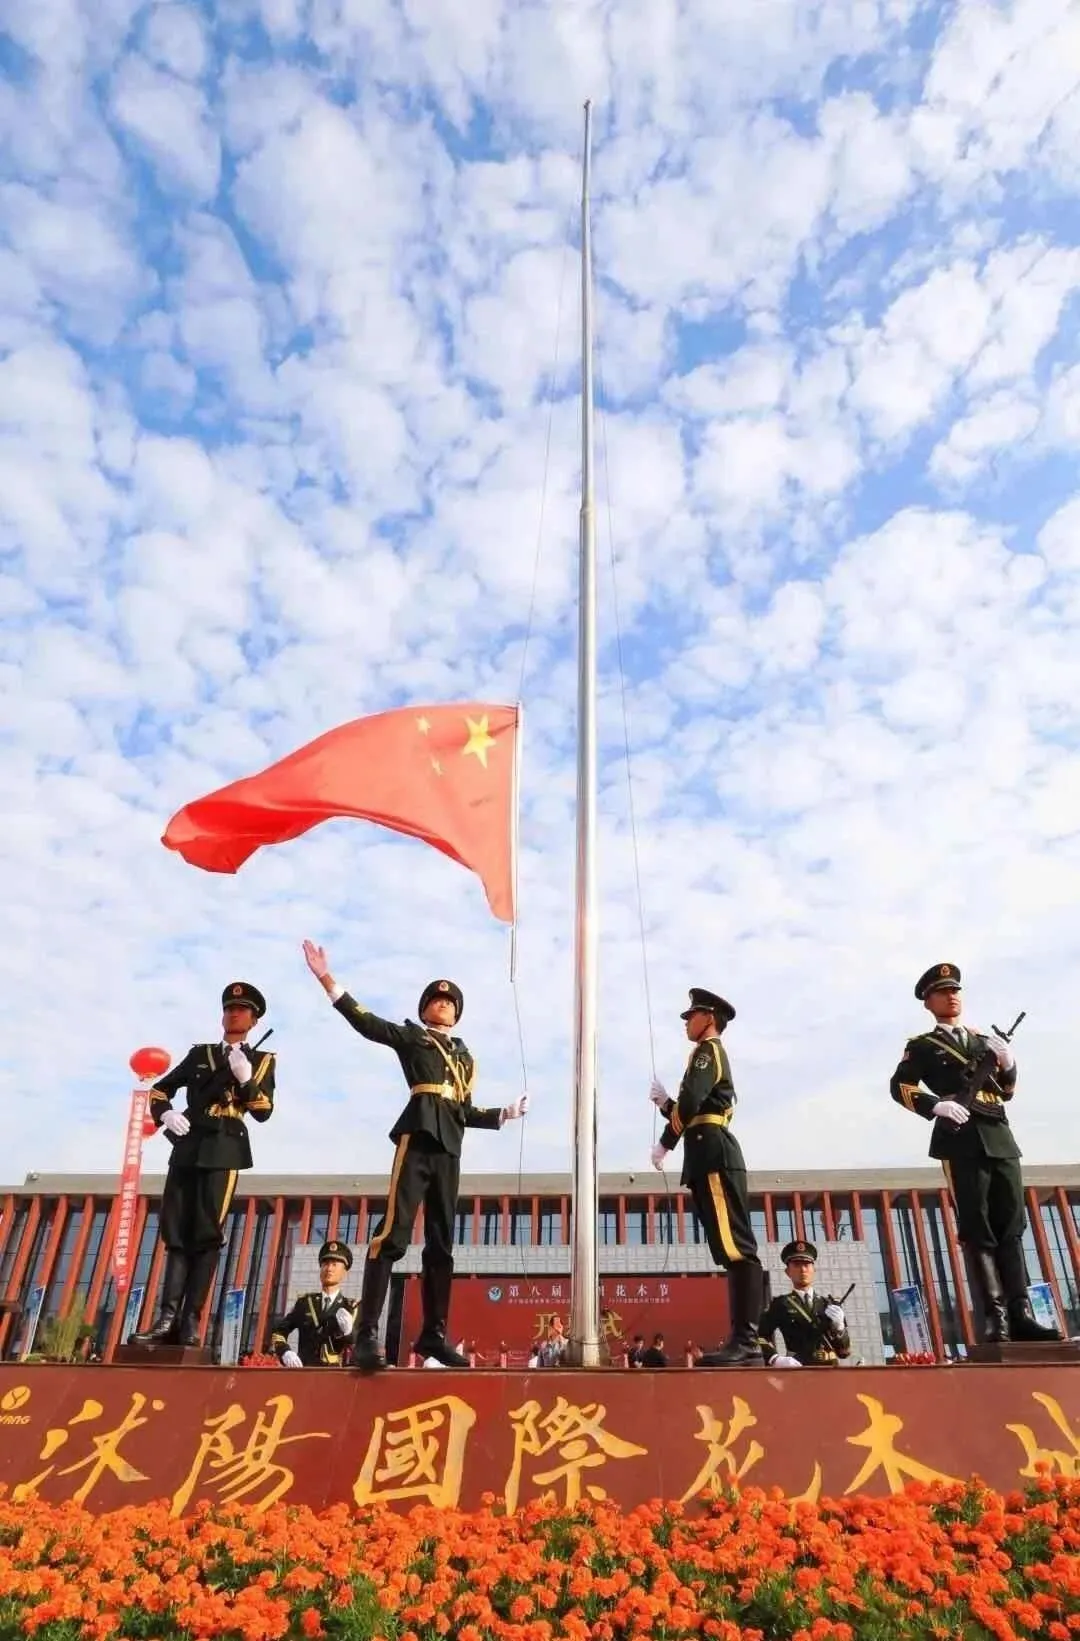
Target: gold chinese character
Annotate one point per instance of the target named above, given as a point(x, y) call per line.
point(610, 1325)
point(405, 1450)
point(576, 1435)
point(878, 1439)
point(105, 1456)
point(239, 1471)
point(1053, 1459)
point(719, 1439)
point(812, 1492)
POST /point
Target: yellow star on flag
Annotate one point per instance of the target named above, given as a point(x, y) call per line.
point(479, 740)
point(423, 725)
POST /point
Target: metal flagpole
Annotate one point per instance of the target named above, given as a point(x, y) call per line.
point(584, 1344)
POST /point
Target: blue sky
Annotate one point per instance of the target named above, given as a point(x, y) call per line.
point(282, 287)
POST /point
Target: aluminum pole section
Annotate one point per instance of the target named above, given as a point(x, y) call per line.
point(584, 1344)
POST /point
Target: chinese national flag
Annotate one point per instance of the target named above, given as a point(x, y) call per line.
point(446, 774)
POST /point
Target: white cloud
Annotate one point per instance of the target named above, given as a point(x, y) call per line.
point(278, 333)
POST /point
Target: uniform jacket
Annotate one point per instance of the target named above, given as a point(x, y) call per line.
point(320, 1342)
point(808, 1334)
point(936, 1059)
point(440, 1073)
point(701, 1114)
point(217, 1107)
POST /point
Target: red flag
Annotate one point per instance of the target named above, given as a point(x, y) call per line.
point(446, 774)
point(124, 1250)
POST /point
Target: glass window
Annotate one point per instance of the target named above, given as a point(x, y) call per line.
point(490, 1223)
point(695, 1231)
point(320, 1224)
point(520, 1225)
point(1061, 1259)
point(784, 1213)
point(871, 1218)
point(463, 1225)
point(814, 1222)
point(37, 1249)
point(667, 1221)
point(62, 1265)
point(376, 1210)
point(91, 1251)
point(348, 1224)
point(843, 1219)
point(637, 1225)
point(942, 1278)
point(14, 1241)
point(258, 1273)
point(758, 1225)
point(608, 1220)
point(551, 1222)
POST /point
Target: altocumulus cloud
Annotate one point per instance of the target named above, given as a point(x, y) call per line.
point(279, 288)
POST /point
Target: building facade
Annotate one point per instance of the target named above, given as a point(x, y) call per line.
point(57, 1232)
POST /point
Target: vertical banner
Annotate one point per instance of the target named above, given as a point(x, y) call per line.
point(1043, 1308)
point(911, 1315)
point(124, 1253)
point(232, 1321)
point(131, 1315)
point(33, 1317)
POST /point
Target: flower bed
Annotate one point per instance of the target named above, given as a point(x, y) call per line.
point(934, 1562)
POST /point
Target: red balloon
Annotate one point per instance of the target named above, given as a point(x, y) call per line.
point(150, 1062)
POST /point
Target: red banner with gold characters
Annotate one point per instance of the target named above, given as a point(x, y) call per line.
point(105, 1437)
point(124, 1251)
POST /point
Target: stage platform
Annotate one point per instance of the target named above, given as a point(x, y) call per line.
point(108, 1436)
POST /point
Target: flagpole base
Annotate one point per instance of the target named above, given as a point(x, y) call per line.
point(583, 1353)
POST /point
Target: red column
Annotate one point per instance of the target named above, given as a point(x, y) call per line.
point(956, 1265)
point(263, 1325)
point(928, 1277)
point(332, 1222)
point(362, 1220)
point(52, 1245)
point(770, 1217)
point(7, 1220)
point(564, 1210)
point(534, 1221)
point(620, 1220)
point(243, 1257)
point(800, 1223)
point(650, 1220)
point(504, 1219)
point(304, 1231)
point(888, 1237)
point(22, 1259)
point(827, 1216)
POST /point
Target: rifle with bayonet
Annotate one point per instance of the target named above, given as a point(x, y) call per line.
point(981, 1072)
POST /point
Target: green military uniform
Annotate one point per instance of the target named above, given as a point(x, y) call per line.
point(810, 1336)
point(204, 1165)
point(980, 1157)
point(323, 1323)
point(440, 1072)
point(714, 1172)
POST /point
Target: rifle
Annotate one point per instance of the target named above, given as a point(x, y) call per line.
point(980, 1072)
point(821, 1326)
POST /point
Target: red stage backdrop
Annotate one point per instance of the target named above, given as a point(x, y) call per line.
point(111, 1436)
point(494, 1312)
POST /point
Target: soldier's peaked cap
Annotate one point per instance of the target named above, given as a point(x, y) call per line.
point(940, 977)
point(799, 1249)
point(240, 991)
point(711, 1003)
point(442, 988)
point(336, 1250)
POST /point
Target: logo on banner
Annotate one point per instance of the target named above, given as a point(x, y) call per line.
point(494, 1294)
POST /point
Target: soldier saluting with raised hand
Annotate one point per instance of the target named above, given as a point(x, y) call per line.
point(440, 1072)
point(976, 1147)
point(714, 1171)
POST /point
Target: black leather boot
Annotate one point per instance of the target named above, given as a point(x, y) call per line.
point(435, 1288)
point(201, 1275)
point(365, 1352)
point(165, 1329)
point(995, 1319)
point(1022, 1323)
point(743, 1348)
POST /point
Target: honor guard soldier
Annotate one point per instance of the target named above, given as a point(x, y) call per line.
point(324, 1322)
point(977, 1149)
point(225, 1082)
point(714, 1171)
point(440, 1073)
point(812, 1324)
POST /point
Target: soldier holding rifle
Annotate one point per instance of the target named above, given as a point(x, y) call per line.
point(813, 1325)
point(971, 1076)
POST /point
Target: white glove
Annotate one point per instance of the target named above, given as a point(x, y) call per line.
point(343, 1319)
point(174, 1122)
point(516, 1109)
point(835, 1317)
point(1006, 1059)
point(785, 1361)
point(658, 1094)
point(239, 1065)
point(950, 1109)
point(290, 1359)
point(658, 1155)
